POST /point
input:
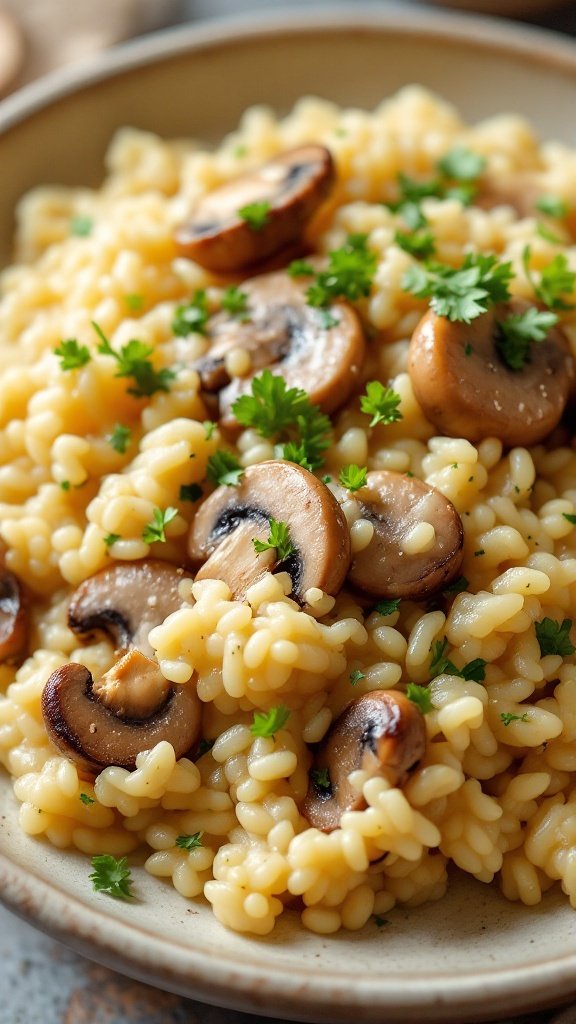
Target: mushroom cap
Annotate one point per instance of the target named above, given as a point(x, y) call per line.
point(466, 390)
point(13, 616)
point(126, 601)
point(395, 504)
point(383, 733)
point(285, 334)
point(93, 736)
point(294, 184)
point(230, 517)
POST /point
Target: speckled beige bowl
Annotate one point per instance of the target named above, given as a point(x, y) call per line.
point(473, 956)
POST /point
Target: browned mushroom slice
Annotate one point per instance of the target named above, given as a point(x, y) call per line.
point(228, 521)
point(466, 389)
point(141, 709)
point(126, 601)
point(382, 733)
point(13, 616)
point(392, 565)
point(286, 335)
point(292, 186)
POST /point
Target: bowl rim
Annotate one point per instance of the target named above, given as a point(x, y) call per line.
point(119, 944)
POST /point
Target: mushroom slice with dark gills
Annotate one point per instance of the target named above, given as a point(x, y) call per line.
point(382, 733)
point(401, 560)
point(13, 616)
point(126, 601)
point(284, 194)
point(466, 389)
point(231, 518)
point(131, 709)
point(318, 350)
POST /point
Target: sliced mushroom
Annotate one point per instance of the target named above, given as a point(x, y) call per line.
point(94, 735)
point(289, 337)
point(466, 390)
point(382, 733)
point(389, 566)
point(13, 616)
point(126, 601)
point(231, 517)
point(293, 184)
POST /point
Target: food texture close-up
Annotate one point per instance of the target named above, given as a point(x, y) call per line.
point(288, 514)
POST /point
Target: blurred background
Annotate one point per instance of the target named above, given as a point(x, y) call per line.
point(39, 35)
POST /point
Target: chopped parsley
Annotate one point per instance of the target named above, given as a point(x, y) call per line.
point(235, 302)
point(155, 531)
point(120, 438)
point(72, 355)
point(278, 540)
point(287, 415)
point(300, 268)
point(455, 178)
point(65, 485)
point(256, 215)
point(192, 316)
point(209, 427)
point(461, 293)
point(517, 333)
point(462, 164)
point(387, 607)
point(556, 280)
point(554, 637)
point(456, 586)
point(353, 477)
point(420, 244)
point(356, 676)
point(81, 226)
point(321, 779)
point(349, 273)
point(86, 799)
point(474, 670)
point(570, 517)
point(268, 723)
point(420, 696)
point(190, 492)
point(506, 717)
point(193, 842)
point(223, 468)
point(552, 206)
point(379, 920)
point(111, 539)
point(327, 320)
point(111, 876)
point(134, 302)
point(381, 403)
point(133, 361)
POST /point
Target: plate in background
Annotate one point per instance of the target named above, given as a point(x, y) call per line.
point(473, 956)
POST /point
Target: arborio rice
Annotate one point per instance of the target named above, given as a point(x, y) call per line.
point(94, 476)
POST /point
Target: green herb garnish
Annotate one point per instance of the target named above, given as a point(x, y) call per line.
point(461, 293)
point(81, 226)
point(356, 676)
point(387, 607)
point(86, 800)
point(256, 214)
point(348, 276)
point(556, 280)
point(72, 355)
point(111, 876)
point(554, 637)
point(381, 403)
point(111, 539)
point(190, 492)
point(268, 723)
point(552, 206)
point(353, 477)
point(134, 302)
point(193, 842)
point(321, 779)
point(420, 696)
point(120, 438)
point(517, 333)
point(154, 532)
point(278, 540)
point(192, 316)
point(420, 244)
point(224, 468)
point(506, 717)
point(235, 302)
point(457, 586)
point(133, 361)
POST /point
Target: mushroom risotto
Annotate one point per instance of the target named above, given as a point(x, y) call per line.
point(288, 510)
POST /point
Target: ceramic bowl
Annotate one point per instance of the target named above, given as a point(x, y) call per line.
point(473, 956)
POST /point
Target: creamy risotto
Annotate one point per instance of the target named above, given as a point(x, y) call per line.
point(287, 504)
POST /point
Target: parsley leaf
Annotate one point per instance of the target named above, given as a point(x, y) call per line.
point(420, 696)
point(209, 427)
point(111, 876)
point(268, 723)
point(356, 676)
point(420, 244)
point(190, 492)
point(554, 637)
point(235, 302)
point(65, 485)
point(457, 586)
point(553, 206)
point(256, 214)
point(353, 477)
point(461, 293)
point(133, 361)
point(506, 717)
point(438, 661)
point(192, 316)
point(86, 799)
point(321, 779)
point(387, 607)
point(556, 280)
point(81, 226)
point(155, 531)
point(570, 517)
point(72, 355)
point(134, 302)
point(349, 273)
point(381, 403)
point(224, 468)
point(120, 438)
point(193, 842)
point(474, 670)
point(300, 268)
point(462, 164)
point(278, 540)
point(111, 539)
point(276, 411)
point(517, 333)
